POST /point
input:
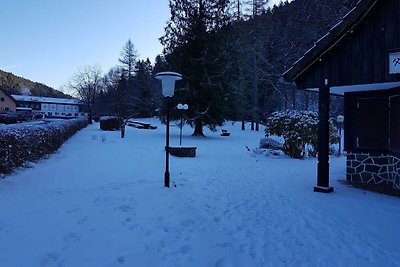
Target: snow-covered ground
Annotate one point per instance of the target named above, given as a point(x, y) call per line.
point(100, 201)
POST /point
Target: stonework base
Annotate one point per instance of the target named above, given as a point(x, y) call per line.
point(374, 169)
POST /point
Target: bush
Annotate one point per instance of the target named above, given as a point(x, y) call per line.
point(110, 123)
point(269, 143)
point(297, 128)
point(30, 142)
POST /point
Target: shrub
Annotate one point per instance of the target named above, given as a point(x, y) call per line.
point(110, 123)
point(297, 128)
point(30, 142)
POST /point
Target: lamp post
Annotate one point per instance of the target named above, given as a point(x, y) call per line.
point(168, 80)
point(181, 107)
point(340, 120)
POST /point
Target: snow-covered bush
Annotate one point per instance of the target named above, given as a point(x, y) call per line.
point(110, 123)
point(297, 128)
point(269, 143)
point(31, 141)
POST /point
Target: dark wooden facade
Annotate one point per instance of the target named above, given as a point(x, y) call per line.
point(360, 54)
point(353, 60)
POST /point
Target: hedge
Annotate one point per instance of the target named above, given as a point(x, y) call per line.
point(110, 123)
point(30, 142)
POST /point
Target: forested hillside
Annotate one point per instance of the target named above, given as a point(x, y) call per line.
point(13, 84)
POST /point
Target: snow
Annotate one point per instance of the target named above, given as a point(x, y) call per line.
point(100, 201)
point(27, 98)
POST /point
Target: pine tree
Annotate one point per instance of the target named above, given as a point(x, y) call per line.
point(144, 82)
point(191, 43)
point(128, 59)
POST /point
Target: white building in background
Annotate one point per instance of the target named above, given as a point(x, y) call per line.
point(50, 106)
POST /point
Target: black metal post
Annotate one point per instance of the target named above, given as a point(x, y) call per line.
point(180, 137)
point(323, 141)
point(340, 138)
point(166, 175)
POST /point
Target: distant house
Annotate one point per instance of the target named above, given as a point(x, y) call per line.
point(51, 107)
point(7, 102)
point(359, 59)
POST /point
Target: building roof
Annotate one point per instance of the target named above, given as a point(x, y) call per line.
point(52, 100)
point(332, 38)
point(10, 96)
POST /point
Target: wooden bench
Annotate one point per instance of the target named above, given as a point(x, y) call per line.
point(225, 133)
point(141, 125)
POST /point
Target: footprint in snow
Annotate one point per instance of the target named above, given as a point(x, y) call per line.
point(50, 259)
point(124, 208)
point(185, 249)
point(224, 245)
point(121, 260)
point(223, 263)
point(72, 238)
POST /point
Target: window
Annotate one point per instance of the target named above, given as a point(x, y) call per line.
point(372, 120)
point(2, 99)
point(7, 109)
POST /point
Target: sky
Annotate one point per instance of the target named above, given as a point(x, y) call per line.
point(47, 41)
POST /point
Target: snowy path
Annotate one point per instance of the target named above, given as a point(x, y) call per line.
point(100, 202)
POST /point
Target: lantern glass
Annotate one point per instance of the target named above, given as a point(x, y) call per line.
point(168, 82)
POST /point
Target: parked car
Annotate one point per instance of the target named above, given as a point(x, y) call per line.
point(24, 114)
point(8, 117)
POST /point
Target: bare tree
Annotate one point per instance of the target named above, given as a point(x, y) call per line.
point(86, 84)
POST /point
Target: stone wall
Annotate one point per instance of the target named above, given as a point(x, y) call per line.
point(375, 169)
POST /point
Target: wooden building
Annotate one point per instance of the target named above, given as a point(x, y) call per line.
point(7, 102)
point(359, 58)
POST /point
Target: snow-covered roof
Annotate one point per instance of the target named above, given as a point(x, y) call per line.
point(39, 99)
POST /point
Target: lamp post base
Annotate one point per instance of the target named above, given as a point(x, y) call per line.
point(322, 189)
point(166, 179)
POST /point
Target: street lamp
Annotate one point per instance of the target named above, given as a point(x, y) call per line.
point(168, 80)
point(340, 120)
point(181, 107)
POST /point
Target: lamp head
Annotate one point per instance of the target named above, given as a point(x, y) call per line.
point(182, 106)
point(168, 79)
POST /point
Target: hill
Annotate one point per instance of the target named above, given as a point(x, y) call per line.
point(13, 84)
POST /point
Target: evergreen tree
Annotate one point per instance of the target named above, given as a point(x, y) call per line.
point(128, 59)
point(144, 82)
point(192, 49)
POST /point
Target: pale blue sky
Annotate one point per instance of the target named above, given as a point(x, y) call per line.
point(48, 40)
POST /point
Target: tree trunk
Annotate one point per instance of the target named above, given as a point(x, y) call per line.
point(90, 116)
point(243, 125)
point(257, 126)
point(254, 101)
point(307, 101)
point(294, 98)
point(123, 131)
point(198, 128)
